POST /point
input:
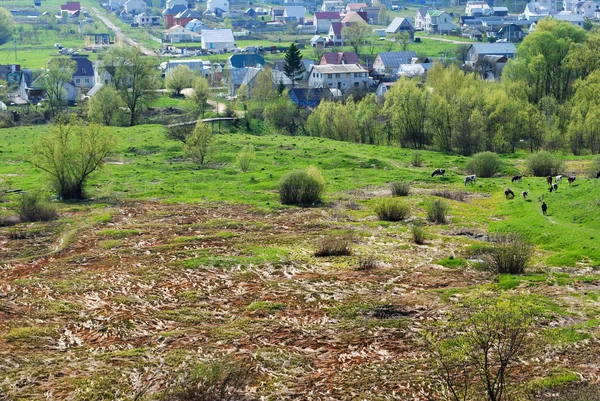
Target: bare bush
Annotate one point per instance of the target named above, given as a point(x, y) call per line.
point(8, 221)
point(400, 188)
point(34, 208)
point(453, 195)
point(392, 210)
point(334, 245)
point(510, 253)
point(367, 262)
point(415, 159)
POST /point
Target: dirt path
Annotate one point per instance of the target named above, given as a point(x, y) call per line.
point(121, 35)
point(433, 37)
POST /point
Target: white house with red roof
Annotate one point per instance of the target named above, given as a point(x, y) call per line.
point(71, 7)
point(323, 20)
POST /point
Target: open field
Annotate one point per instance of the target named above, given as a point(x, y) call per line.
point(169, 264)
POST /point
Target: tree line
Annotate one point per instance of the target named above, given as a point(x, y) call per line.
point(546, 99)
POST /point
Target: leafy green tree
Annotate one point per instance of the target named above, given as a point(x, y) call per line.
point(282, 115)
point(354, 34)
point(368, 120)
point(200, 93)
point(60, 71)
point(199, 144)
point(382, 17)
point(70, 154)
point(542, 64)
point(180, 78)
point(406, 108)
point(134, 76)
point(7, 25)
point(262, 93)
point(105, 107)
point(403, 39)
point(293, 68)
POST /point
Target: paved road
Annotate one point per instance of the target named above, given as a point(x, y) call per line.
point(121, 35)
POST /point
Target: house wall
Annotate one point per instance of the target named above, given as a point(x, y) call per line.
point(323, 24)
point(338, 80)
point(217, 45)
point(212, 5)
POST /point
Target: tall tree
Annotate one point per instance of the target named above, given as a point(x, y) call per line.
point(382, 18)
point(134, 76)
point(406, 107)
point(355, 33)
point(200, 93)
point(60, 71)
point(7, 26)
point(293, 68)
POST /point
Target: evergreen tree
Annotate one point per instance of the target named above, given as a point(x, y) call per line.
point(293, 64)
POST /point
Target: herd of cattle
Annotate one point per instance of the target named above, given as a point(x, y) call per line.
point(553, 186)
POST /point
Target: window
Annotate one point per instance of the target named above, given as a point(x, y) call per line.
point(356, 84)
point(87, 80)
point(77, 80)
point(337, 75)
point(83, 71)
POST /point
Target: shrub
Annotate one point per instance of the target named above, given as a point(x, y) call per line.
point(418, 234)
point(400, 188)
point(367, 262)
point(484, 164)
point(7, 221)
point(315, 173)
point(33, 208)
point(415, 159)
point(334, 245)
point(510, 253)
point(437, 211)
point(299, 188)
point(594, 168)
point(392, 210)
point(453, 195)
point(352, 204)
point(245, 157)
point(542, 164)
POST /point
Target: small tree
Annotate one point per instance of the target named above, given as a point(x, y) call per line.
point(70, 154)
point(382, 18)
point(198, 146)
point(403, 39)
point(180, 78)
point(105, 106)
point(245, 157)
point(354, 34)
point(293, 68)
point(6, 26)
point(510, 254)
point(474, 354)
point(200, 94)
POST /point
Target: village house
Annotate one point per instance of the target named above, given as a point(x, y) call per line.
point(218, 6)
point(323, 20)
point(342, 76)
point(387, 63)
point(400, 25)
point(372, 14)
point(169, 14)
point(217, 39)
point(352, 17)
point(178, 34)
point(318, 41)
point(420, 18)
point(196, 25)
point(478, 50)
point(134, 7)
point(586, 9)
point(186, 16)
point(354, 7)
point(335, 38)
point(72, 8)
point(145, 19)
point(437, 21)
point(477, 8)
point(294, 13)
point(510, 32)
point(196, 65)
point(332, 5)
point(308, 97)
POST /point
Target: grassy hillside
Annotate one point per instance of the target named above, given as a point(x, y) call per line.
point(169, 264)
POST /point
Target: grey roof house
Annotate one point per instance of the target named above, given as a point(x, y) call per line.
point(387, 63)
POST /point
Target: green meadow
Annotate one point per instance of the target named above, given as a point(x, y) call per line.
point(147, 166)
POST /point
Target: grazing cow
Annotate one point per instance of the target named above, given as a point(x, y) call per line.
point(525, 193)
point(598, 175)
point(517, 178)
point(508, 192)
point(470, 179)
point(558, 178)
point(549, 179)
point(571, 179)
point(544, 208)
point(438, 171)
point(554, 187)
